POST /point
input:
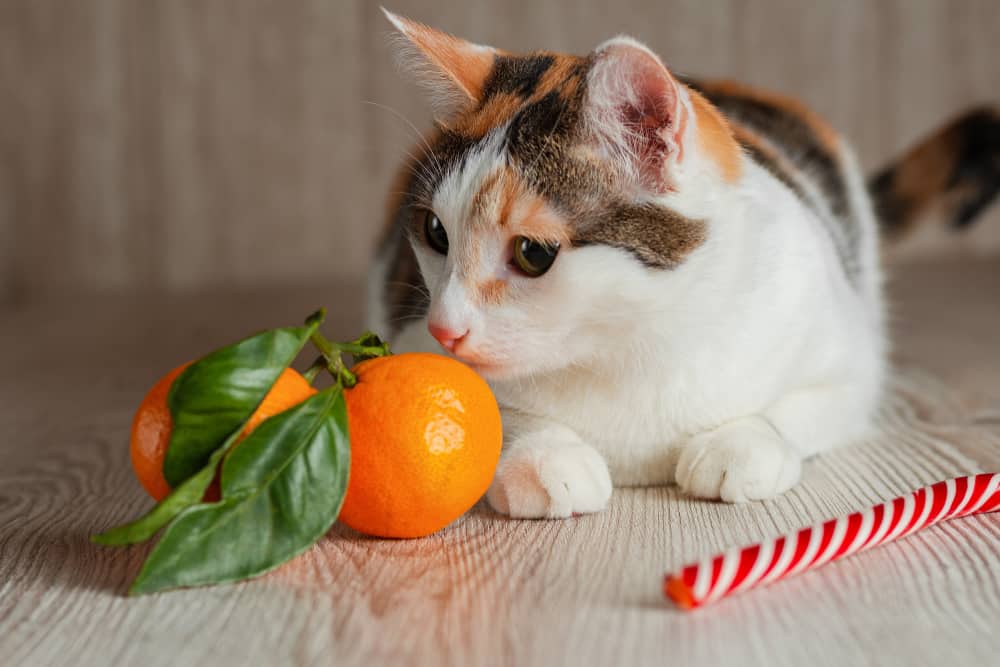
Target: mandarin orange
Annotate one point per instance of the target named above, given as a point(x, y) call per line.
point(153, 425)
point(425, 441)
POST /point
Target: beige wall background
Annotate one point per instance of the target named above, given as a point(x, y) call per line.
point(174, 145)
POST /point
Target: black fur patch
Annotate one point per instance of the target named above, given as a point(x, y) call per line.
point(549, 119)
point(449, 152)
point(774, 168)
point(894, 210)
point(518, 75)
point(977, 169)
point(791, 134)
point(800, 144)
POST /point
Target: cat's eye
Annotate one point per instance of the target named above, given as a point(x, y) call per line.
point(434, 232)
point(533, 258)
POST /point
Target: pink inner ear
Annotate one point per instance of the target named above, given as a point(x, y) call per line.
point(654, 95)
point(646, 97)
point(647, 126)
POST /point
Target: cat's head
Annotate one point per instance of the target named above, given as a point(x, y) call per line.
point(549, 201)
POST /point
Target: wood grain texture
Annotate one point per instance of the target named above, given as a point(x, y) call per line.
point(487, 590)
point(175, 144)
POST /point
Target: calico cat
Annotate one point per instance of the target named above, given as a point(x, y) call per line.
point(664, 280)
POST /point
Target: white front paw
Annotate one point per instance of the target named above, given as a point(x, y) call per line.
point(553, 480)
point(739, 461)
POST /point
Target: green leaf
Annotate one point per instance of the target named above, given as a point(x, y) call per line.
point(188, 493)
point(282, 490)
point(214, 397)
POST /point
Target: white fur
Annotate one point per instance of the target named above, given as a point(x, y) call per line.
point(722, 374)
point(547, 471)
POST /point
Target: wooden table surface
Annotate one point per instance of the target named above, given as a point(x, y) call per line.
point(489, 590)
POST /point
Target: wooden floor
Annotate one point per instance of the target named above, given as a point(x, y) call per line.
point(489, 590)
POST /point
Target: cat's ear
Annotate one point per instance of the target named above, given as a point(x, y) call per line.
point(637, 112)
point(454, 70)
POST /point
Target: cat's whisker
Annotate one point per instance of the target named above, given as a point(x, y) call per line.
point(426, 173)
point(403, 283)
point(419, 172)
point(423, 295)
point(403, 319)
point(408, 123)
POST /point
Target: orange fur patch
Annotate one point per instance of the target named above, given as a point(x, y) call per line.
point(556, 76)
point(537, 220)
point(571, 88)
point(501, 107)
point(497, 193)
point(492, 291)
point(505, 201)
point(682, 122)
point(497, 111)
point(484, 195)
point(523, 212)
point(716, 137)
point(466, 64)
point(511, 190)
point(925, 171)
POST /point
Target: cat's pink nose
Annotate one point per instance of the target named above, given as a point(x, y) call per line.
point(448, 338)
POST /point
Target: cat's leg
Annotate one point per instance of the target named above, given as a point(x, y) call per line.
point(822, 417)
point(760, 456)
point(547, 470)
point(745, 459)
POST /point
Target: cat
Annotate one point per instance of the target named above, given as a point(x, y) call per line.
point(663, 280)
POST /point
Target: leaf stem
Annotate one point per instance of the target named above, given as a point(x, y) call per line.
point(314, 368)
point(334, 361)
point(316, 318)
point(366, 346)
point(355, 349)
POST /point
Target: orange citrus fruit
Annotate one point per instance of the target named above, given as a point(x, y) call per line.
point(425, 441)
point(152, 425)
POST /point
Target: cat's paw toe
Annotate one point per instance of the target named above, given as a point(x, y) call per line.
point(741, 461)
point(550, 482)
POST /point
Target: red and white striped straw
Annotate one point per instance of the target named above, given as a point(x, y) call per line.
point(738, 570)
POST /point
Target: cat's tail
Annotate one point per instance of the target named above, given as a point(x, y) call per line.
point(956, 169)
